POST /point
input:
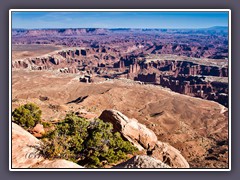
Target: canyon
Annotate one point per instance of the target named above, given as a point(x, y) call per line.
point(182, 76)
point(173, 81)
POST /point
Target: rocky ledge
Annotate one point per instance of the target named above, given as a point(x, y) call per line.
point(144, 139)
point(142, 162)
point(25, 152)
point(156, 154)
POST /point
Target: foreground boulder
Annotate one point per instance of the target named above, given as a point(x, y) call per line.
point(144, 139)
point(25, 152)
point(138, 134)
point(57, 163)
point(169, 155)
point(142, 161)
point(38, 131)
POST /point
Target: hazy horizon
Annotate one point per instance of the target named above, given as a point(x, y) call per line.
point(117, 28)
point(116, 20)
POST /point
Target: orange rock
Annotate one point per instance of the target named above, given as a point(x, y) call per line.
point(38, 129)
point(138, 134)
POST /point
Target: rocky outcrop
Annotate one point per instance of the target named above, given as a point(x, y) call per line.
point(169, 155)
point(86, 79)
point(144, 139)
point(57, 163)
point(188, 43)
point(148, 78)
point(197, 86)
point(25, 152)
point(138, 134)
point(38, 130)
point(134, 68)
point(142, 161)
point(189, 68)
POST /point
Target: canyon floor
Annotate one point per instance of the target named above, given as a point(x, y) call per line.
point(197, 128)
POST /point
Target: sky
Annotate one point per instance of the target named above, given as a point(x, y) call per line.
point(33, 20)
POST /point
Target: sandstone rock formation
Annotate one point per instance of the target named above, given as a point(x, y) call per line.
point(169, 155)
point(139, 134)
point(183, 76)
point(57, 163)
point(144, 138)
point(38, 130)
point(26, 155)
point(155, 41)
point(142, 161)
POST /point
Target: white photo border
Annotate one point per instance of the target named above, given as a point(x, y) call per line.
point(118, 10)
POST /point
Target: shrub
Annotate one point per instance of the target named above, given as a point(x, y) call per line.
point(46, 124)
point(87, 143)
point(27, 115)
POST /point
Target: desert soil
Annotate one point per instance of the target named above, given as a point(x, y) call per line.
point(197, 128)
point(21, 51)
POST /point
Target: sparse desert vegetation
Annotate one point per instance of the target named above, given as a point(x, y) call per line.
point(88, 143)
point(27, 115)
